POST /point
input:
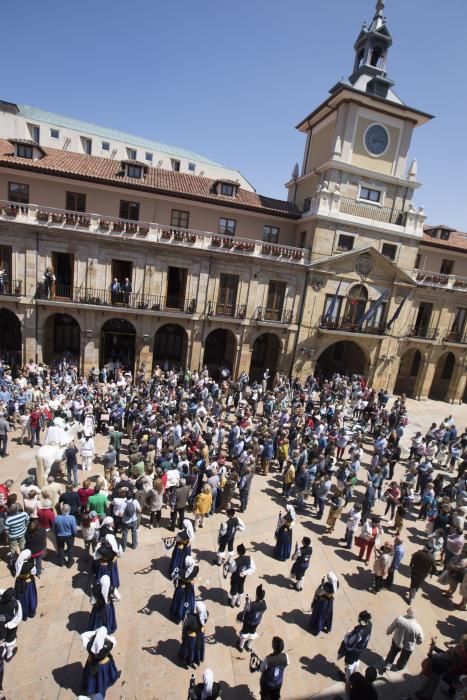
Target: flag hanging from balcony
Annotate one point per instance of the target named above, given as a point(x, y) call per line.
point(330, 312)
point(397, 313)
point(371, 313)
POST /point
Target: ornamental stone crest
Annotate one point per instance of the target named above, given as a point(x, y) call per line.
point(364, 265)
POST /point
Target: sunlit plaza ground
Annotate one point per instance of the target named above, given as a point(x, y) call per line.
point(49, 660)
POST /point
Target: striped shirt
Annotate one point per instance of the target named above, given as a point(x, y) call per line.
point(16, 525)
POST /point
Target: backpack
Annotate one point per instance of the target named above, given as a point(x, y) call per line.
point(130, 510)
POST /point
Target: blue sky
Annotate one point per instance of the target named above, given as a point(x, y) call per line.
point(231, 80)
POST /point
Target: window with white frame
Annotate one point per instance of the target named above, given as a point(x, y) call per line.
point(149, 156)
point(131, 153)
point(105, 146)
point(35, 132)
point(192, 167)
point(370, 194)
point(87, 146)
point(54, 133)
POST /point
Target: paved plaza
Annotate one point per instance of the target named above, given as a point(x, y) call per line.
point(50, 656)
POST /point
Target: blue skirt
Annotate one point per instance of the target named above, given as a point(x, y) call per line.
point(192, 649)
point(100, 568)
point(321, 617)
point(99, 682)
point(103, 615)
point(177, 561)
point(27, 597)
point(283, 547)
point(183, 602)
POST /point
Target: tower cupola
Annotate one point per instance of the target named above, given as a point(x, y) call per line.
point(371, 51)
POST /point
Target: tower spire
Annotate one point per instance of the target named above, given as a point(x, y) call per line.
point(371, 50)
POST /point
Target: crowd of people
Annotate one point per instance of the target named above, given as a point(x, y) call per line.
point(191, 444)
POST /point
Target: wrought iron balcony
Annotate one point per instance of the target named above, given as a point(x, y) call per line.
point(10, 288)
point(426, 332)
point(345, 327)
point(387, 215)
point(106, 297)
point(456, 337)
point(227, 310)
point(273, 315)
point(150, 231)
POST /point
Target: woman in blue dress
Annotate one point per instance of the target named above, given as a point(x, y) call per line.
point(25, 584)
point(103, 610)
point(283, 548)
point(105, 558)
point(100, 671)
point(183, 601)
point(322, 607)
point(182, 547)
point(192, 647)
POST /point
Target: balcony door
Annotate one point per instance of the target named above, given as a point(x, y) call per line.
point(5, 266)
point(62, 264)
point(275, 301)
point(227, 297)
point(422, 322)
point(355, 307)
point(176, 287)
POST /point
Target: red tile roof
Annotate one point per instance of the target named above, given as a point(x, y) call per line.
point(457, 239)
point(105, 170)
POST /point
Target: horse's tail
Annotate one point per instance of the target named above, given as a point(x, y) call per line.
point(40, 470)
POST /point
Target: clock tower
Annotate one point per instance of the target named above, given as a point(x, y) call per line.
point(356, 178)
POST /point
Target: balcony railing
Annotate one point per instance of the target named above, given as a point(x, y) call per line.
point(337, 325)
point(227, 310)
point(152, 232)
point(426, 332)
point(106, 297)
point(438, 279)
point(387, 215)
point(10, 288)
point(456, 337)
point(273, 315)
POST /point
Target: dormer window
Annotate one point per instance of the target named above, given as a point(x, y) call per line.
point(23, 151)
point(226, 188)
point(27, 149)
point(134, 168)
point(444, 234)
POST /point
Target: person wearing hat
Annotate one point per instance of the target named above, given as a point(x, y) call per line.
point(226, 537)
point(272, 669)
point(251, 617)
point(301, 559)
point(25, 584)
point(322, 607)
point(241, 567)
point(100, 672)
point(354, 643)
point(11, 614)
point(283, 534)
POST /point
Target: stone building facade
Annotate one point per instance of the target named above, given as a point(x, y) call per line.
point(161, 267)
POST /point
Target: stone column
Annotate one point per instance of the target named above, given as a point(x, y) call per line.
point(89, 352)
point(143, 352)
point(425, 379)
point(457, 384)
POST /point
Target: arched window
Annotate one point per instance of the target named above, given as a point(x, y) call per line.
point(356, 303)
point(377, 55)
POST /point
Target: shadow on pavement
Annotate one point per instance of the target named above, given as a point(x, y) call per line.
point(69, 676)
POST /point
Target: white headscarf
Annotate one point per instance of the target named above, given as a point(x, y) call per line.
point(208, 680)
point(189, 566)
point(105, 587)
point(202, 612)
point(189, 528)
point(291, 511)
point(107, 521)
point(24, 556)
point(99, 640)
point(332, 579)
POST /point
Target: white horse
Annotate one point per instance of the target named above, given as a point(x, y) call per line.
point(58, 437)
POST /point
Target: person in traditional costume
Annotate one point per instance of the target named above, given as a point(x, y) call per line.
point(301, 559)
point(226, 537)
point(272, 669)
point(354, 644)
point(192, 646)
point(323, 605)
point(100, 672)
point(106, 555)
point(240, 568)
point(283, 547)
point(25, 584)
point(251, 617)
point(103, 610)
point(207, 690)
point(183, 601)
point(11, 614)
point(182, 547)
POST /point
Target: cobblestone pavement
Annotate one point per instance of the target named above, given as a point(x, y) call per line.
point(50, 656)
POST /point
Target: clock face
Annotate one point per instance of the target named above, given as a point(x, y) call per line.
point(377, 140)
